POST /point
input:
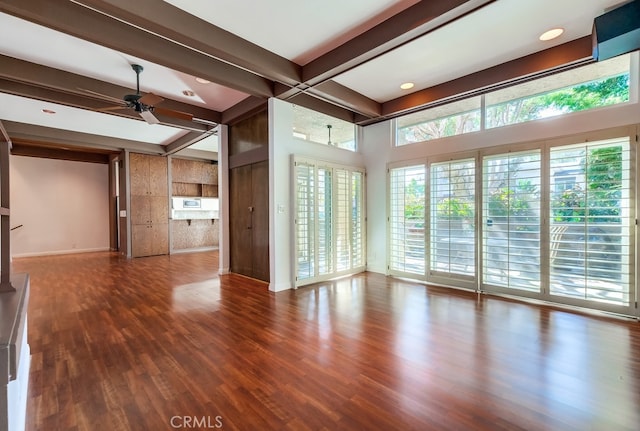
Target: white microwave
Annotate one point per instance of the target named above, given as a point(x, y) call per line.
point(194, 208)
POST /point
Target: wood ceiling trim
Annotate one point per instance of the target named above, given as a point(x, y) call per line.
point(183, 28)
point(411, 23)
point(87, 24)
point(571, 54)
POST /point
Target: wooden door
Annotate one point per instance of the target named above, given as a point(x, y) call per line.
point(260, 220)
point(240, 220)
point(249, 220)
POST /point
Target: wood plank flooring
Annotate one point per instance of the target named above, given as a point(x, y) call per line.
point(163, 343)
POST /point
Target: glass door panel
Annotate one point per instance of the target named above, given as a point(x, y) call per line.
point(407, 220)
point(511, 221)
point(591, 223)
point(452, 233)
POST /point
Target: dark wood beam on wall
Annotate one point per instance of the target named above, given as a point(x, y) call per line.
point(571, 54)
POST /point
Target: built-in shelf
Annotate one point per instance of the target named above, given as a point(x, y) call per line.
point(194, 190)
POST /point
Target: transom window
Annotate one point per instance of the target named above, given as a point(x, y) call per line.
point(589, 87)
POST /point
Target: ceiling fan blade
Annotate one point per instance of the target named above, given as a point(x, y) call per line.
point(101, 96)
point(113, 108)
point(150, 99)
point(149, 117)
point(174, 114)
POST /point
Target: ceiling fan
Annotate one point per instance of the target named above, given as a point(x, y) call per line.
point(144, 105)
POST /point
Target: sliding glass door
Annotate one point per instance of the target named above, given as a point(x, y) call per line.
point(511, 221)
point(407, 220)
point(329, 220)
point(591, 221)
point(452, 233)
point(554, 221)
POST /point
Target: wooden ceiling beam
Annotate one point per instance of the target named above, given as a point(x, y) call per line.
point(20, 149)
point(410, 24)
point(82, 22)
point(66, 138)
point(195, 33)
point(81, 102)
point(184, 142)
point(108, 94)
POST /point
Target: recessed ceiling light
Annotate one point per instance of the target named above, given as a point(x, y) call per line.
point(188, 93)
point(551, 34)
point(407, 85)
point(203, 81)
point(48, 111)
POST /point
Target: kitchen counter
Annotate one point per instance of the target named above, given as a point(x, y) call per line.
point(14, 354)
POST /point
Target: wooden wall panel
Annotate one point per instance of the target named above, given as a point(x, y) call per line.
point(186, 189)
point(197, 234)
point(193, 171)
point(249, 134)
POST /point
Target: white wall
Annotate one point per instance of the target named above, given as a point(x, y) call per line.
point(282, 146)
point(378, 152)
point(62, 205)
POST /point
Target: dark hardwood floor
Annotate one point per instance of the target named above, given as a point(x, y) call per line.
point(163, 343)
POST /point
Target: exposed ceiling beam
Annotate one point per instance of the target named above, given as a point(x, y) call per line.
point(243, 110)
point(310, 102)
point(28, 132)
point(190, 153)
point(184, 142)
point(343, 96)
point(43, 151)
point(39, 93)
point(76, 90)
point(190, 31)
point(87, 24)
point(188, 45)
point(411, 23)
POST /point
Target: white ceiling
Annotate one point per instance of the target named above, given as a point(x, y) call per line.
point(299, 31)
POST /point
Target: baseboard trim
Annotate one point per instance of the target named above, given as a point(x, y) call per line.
point(58, 252)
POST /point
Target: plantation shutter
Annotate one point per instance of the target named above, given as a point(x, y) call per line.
point(452, 233)
point(591, 221)
point(329, 234)
point(407, 220)
point(511, 220)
